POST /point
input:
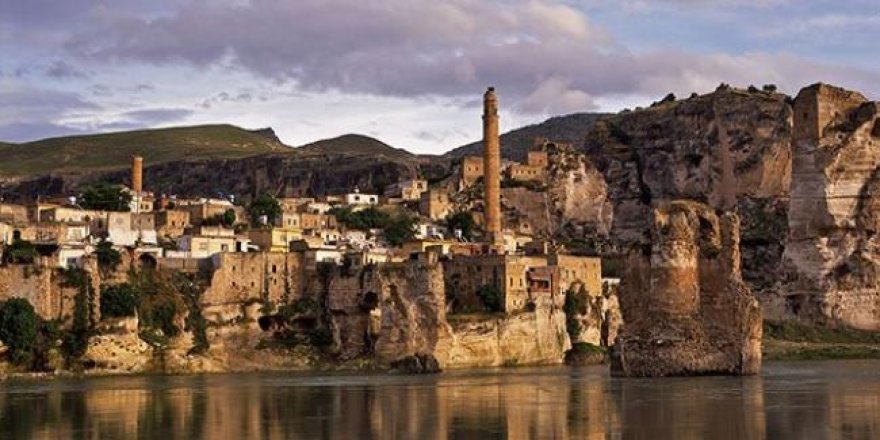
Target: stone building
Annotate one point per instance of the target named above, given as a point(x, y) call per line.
point(522, 280)
point(435, 204)
point(358, 199)
point(205, 241)
point(202, 209)
point(171, 223)
point(275, 239)
point(13, 214)
point(471, 170)
point(408, 190)
point(239, 278)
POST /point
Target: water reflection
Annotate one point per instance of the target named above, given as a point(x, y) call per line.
point(819, 400)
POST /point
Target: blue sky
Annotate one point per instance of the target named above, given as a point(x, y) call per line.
point(409, 72)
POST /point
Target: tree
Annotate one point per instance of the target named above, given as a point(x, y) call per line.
point(462, 221)
point(108, 258)
point(118, 301)
point(399, 230)
point(265, 205)
point(490, 296)
point(769, 88)
point(18, 329)
point(370, 218)
point(106, 197)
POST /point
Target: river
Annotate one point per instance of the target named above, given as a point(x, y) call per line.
point(803, 400)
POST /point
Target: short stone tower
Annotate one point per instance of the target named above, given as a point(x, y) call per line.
point(492, 168)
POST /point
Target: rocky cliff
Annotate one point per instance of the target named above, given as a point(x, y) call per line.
point(832, 254)
point(398, 310)
point(685, 307)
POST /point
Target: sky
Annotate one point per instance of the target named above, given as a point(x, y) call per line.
point(408, 72)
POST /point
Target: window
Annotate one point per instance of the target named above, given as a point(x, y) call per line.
point(274, 268)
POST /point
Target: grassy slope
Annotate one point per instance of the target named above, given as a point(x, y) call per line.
point(103, 152)
point(792, 341)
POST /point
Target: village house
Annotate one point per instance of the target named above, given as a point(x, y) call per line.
point(274, 239)
point(408, 190)
point(206, 241)
point(358, 199)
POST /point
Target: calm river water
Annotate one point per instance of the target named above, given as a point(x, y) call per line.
point(834, 399)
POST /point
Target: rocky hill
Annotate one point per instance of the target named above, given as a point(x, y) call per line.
point(104, 152)
point(355, 145)
point(516, 143)
point(207, 160)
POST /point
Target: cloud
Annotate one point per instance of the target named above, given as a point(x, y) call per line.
point(24, 104)
point(155, 116)
point(544, 56)
point(60, 69)
point(224, 97)
point(28, 113)
point(28, 131)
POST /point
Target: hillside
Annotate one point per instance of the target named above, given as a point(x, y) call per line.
point(103, 152)
point(355, 145)
point(515, 143)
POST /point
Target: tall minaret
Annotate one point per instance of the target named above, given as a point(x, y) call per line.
point(137, 174)
point(492, 168)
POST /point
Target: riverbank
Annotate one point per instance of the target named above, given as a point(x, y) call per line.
point(790, 341)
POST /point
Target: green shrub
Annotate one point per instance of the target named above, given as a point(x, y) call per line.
point(108, 258)
point(76, 340)
point(21, 252)
point(18, 329)
point(490, 296)
point(118, 301)
point(462, 221)
point(265, 205)
point(106, 197)
point(321, 337)
point(574, 305)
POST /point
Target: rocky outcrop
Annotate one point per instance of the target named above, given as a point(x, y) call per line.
point(394, 311)
point(723, 149)
point(686, 310)
point(832, 253)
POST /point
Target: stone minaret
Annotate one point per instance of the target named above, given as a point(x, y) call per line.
point(137, 174)
point(492, 168)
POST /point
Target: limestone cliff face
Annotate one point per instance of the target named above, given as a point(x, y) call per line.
point(398, 310)
point(578, 194)
point(685, 307)
point(832, 253)
point(719, 149)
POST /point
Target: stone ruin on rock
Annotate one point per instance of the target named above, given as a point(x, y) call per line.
point(832, 255)
point(685, 308)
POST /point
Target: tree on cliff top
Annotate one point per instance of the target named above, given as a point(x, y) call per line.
point(18, 329)
point(106, 197)
point(265, 205)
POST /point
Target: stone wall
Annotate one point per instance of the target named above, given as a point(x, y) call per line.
point(43, 286)
point(685, 307)
point(241, 278)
